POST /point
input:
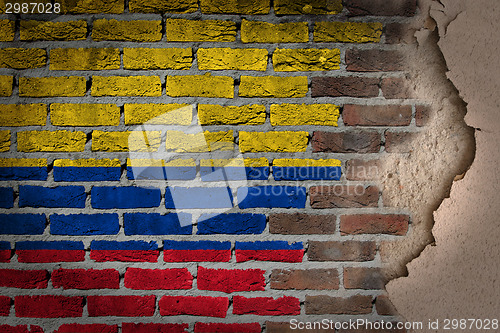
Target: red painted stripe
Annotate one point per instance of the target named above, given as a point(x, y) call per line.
point(5, 255)
point(196, 255)
point(124, 255)
point(50, 255)
point(270, 255)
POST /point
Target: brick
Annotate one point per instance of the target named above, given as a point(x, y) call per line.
point(84, 224)
point(377, 115)
point(343, 196)
point(5, 302)
point(156, 224)
point(65, 86)
point(23, 114)
point(87, 170)
point(286, 327)
point(266, 306)
point(247, 7)
point(4, 141)
point(194, 306)
point(346, 142)
point(298, 60)
point(209, 114)
point(24, 279)
point(283, 141)
point(48, 306)
point(374, 60)
point(271, 197)
point(19, 58)
point(151, 327)
point(200, 86)
point(126, 31)
point(86, 279)
point(396, 88)
point(227, 328)
point(157, 58)
point(56, 197)
point(53, 251)
point(158, 114)
point(347, 32)
point(344, 86)
point(231, 224)
point(400, 33)
point(21, 329)
point(381, 7)
point(85, 328)
point(422, 115)
point(391, 224)
point(44, 30)
point(400, 142)
point(22, 224)
point(126, 86)
point(234, 169)
point(121, 306)
point(304, 114)
point(147, 141)
point(92, 7)
point(84, 114)
point(273, 86)
point(373, 330)
point(199, 251)
point(89, 59)
point(7, 30)
point(384, 306)
point(301, 224)
point(6, 197)
point(341, 251)
point(315, 279)
point(128, 251)
point(23, 168)
point(200, 142)
point(181, 30)
point(51, 141)
point(160, 6)
point(287, 7)
point(282, 251)
point(6, 252)
point(232, 59)
point(151, 169)
point(108, 197)
point(358, 169)
point(230, 280)
point(306, 169)
point(263, 32)
point(6, 84)
point(354, 305)
point(363, 278)
point(198, 197)
point(154, 279)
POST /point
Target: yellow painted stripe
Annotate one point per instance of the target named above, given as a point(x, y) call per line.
point(235, 162)
point(23, 162)
point(88, 162)
point(298, 162)
point(144, 162)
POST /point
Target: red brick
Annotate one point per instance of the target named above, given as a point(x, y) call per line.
point(384, 306)
point(86, 279)
point(363, 278)
point(400, 33)
point(227, 328)
point(354, 305)
point(122, 306)
point(84, 328)
point(154, 328)
point(24, 279)
point(363, 169)
point(315, 279)
point(344, 196)
point(422, 115)
point(266, 306)
point(302, 224)
point(48, 306)
point(341, 251)
point(151, 279)
point(194, 306)
point(376, 115)
point(381, 7)
point(5, 305)
point(346, 142)
point(374, 60)
point(391, 224)
point(230, 280)
point(400, 142)
point(20, 329)
point(344, 86)
point(396, 88)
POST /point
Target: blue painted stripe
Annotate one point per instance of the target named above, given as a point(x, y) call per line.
point(198, 197)
point(6, 197)
point(231, 224)
point(86, 174)
point(4, 245)
point(161, 173)
point(199, 245)
point(55, 245)
point(125, 197)
point(22, 224)
point(307, 173)
point(272, 197)
point(213, 174)
point(268, 245)
point(58, 197)
point(156, 224)
point(83, 224)
point(128, 245)
point(23, 173)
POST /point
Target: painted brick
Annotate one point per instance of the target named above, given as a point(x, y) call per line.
point(21, 328)
point(263, 32)
point(157, 58)
point(87, 170)
point(400, 142)
point(209, 114)
point(230, 280)
point(129, 251)
point(84, 224)
point(5, 302)
point(391, 224)
point(6, 84)
point(85, 279)
point(43, 30)
point(283, 141)
point(181, 142)
point(271, 197)
point(129, 31)
point(92, 7)
point(160, 6)
point(121, 306)
point(147, 141)
point(108, 197)
point(200, 86)
point(153, 279)
point(341, 251)
point(396, 88)
point(198, 197)
point(301, 224)
point(22, 224)
point(344, 196)
point(306, 169)
point(48, 306)
point(422, 115)
point(266, 306)
point(24, 279)
point(23, 114)
point(6, 198)
point(44, 252)
point(316, 279)
point(234, 59)
point(7, 30)
point(18, 58)
point(6, 252)
point(381, 8)
point(354, 305)
point(273, 86)
point(304, 114)
point(67, 86)
point(51, 141)
point(4, 141)
point(346, 142)
point(358, 169)
point(176, 169)
point(158, 114)
point(235, 7)
point(194, 306)
point(185, 251)
point(347, 32)
point(144, 86)
point(157, 224)
point(299, 60)
point(86, 328)
point(287, 7)
point(363, 278)
point(57, 197)
point(80, 59)
point(84, 114)
point(269, 251)
point(151, 327)
point(227, 328)
point(344, 86)
point(374, 60)
point(181, 30)
point(384, 306)
point(212, 170)
point(231, 224)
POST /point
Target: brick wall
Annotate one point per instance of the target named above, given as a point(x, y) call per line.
point(271, 212)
